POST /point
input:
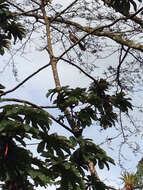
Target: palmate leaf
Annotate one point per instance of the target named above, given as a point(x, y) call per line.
point(12, 128)
point(73, 140)
point(14, 158)
point(70, 176)
point(21, 141)
point(121, 102)
point(39, 118)
point(97, 104)
point(18, 165)
point(58, 144)
point(15, 29)
point(122, 6)
point(40, 177)
point(3, 4)
point(9, 27)
point(13, 122)
point(91, 152)
point(4, 43)
point(93, 183)
point(67, 96)
point(41, 146)
point(40, 174)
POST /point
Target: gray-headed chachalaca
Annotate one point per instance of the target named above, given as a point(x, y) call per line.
point(74, 39)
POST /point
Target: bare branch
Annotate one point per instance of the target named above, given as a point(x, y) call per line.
point(71, 63)
point(96, 31)
point(25, 80)
point(24, 102)
point(121, 60)
point(63, 11)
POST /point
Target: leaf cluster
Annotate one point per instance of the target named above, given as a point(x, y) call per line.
point(9, 27)
point(62, 162)
point(88, 151)
point(18, 123)
point(122, 6)
point(91, 104)
point(69, 165)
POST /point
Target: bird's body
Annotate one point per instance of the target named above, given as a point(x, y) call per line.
point(74, 39)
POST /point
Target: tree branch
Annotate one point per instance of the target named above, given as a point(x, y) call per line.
point(25, 80)
point(25, 102)
point(79, 69)
point(121, 60)
point(63, 11)
point(38, 107)
point(97, 30)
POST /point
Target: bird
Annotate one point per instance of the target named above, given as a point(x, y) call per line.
point(74, 39)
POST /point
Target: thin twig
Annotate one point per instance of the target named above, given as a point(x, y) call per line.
point(121, 60)
point(79, 69)
point(63, 11)
point(122, 128)
point(24, 102)
point(25, 80)
point(137, 12)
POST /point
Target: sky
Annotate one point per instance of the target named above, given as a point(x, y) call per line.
point(36, 88)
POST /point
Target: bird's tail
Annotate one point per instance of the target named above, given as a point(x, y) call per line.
point(82, 47)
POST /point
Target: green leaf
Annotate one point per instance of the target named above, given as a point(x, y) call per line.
point(73, 140)
point(41, 147)
point(100, 164)
point(20, 140)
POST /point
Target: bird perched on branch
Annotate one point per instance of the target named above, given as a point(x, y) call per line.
point(74, 39)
